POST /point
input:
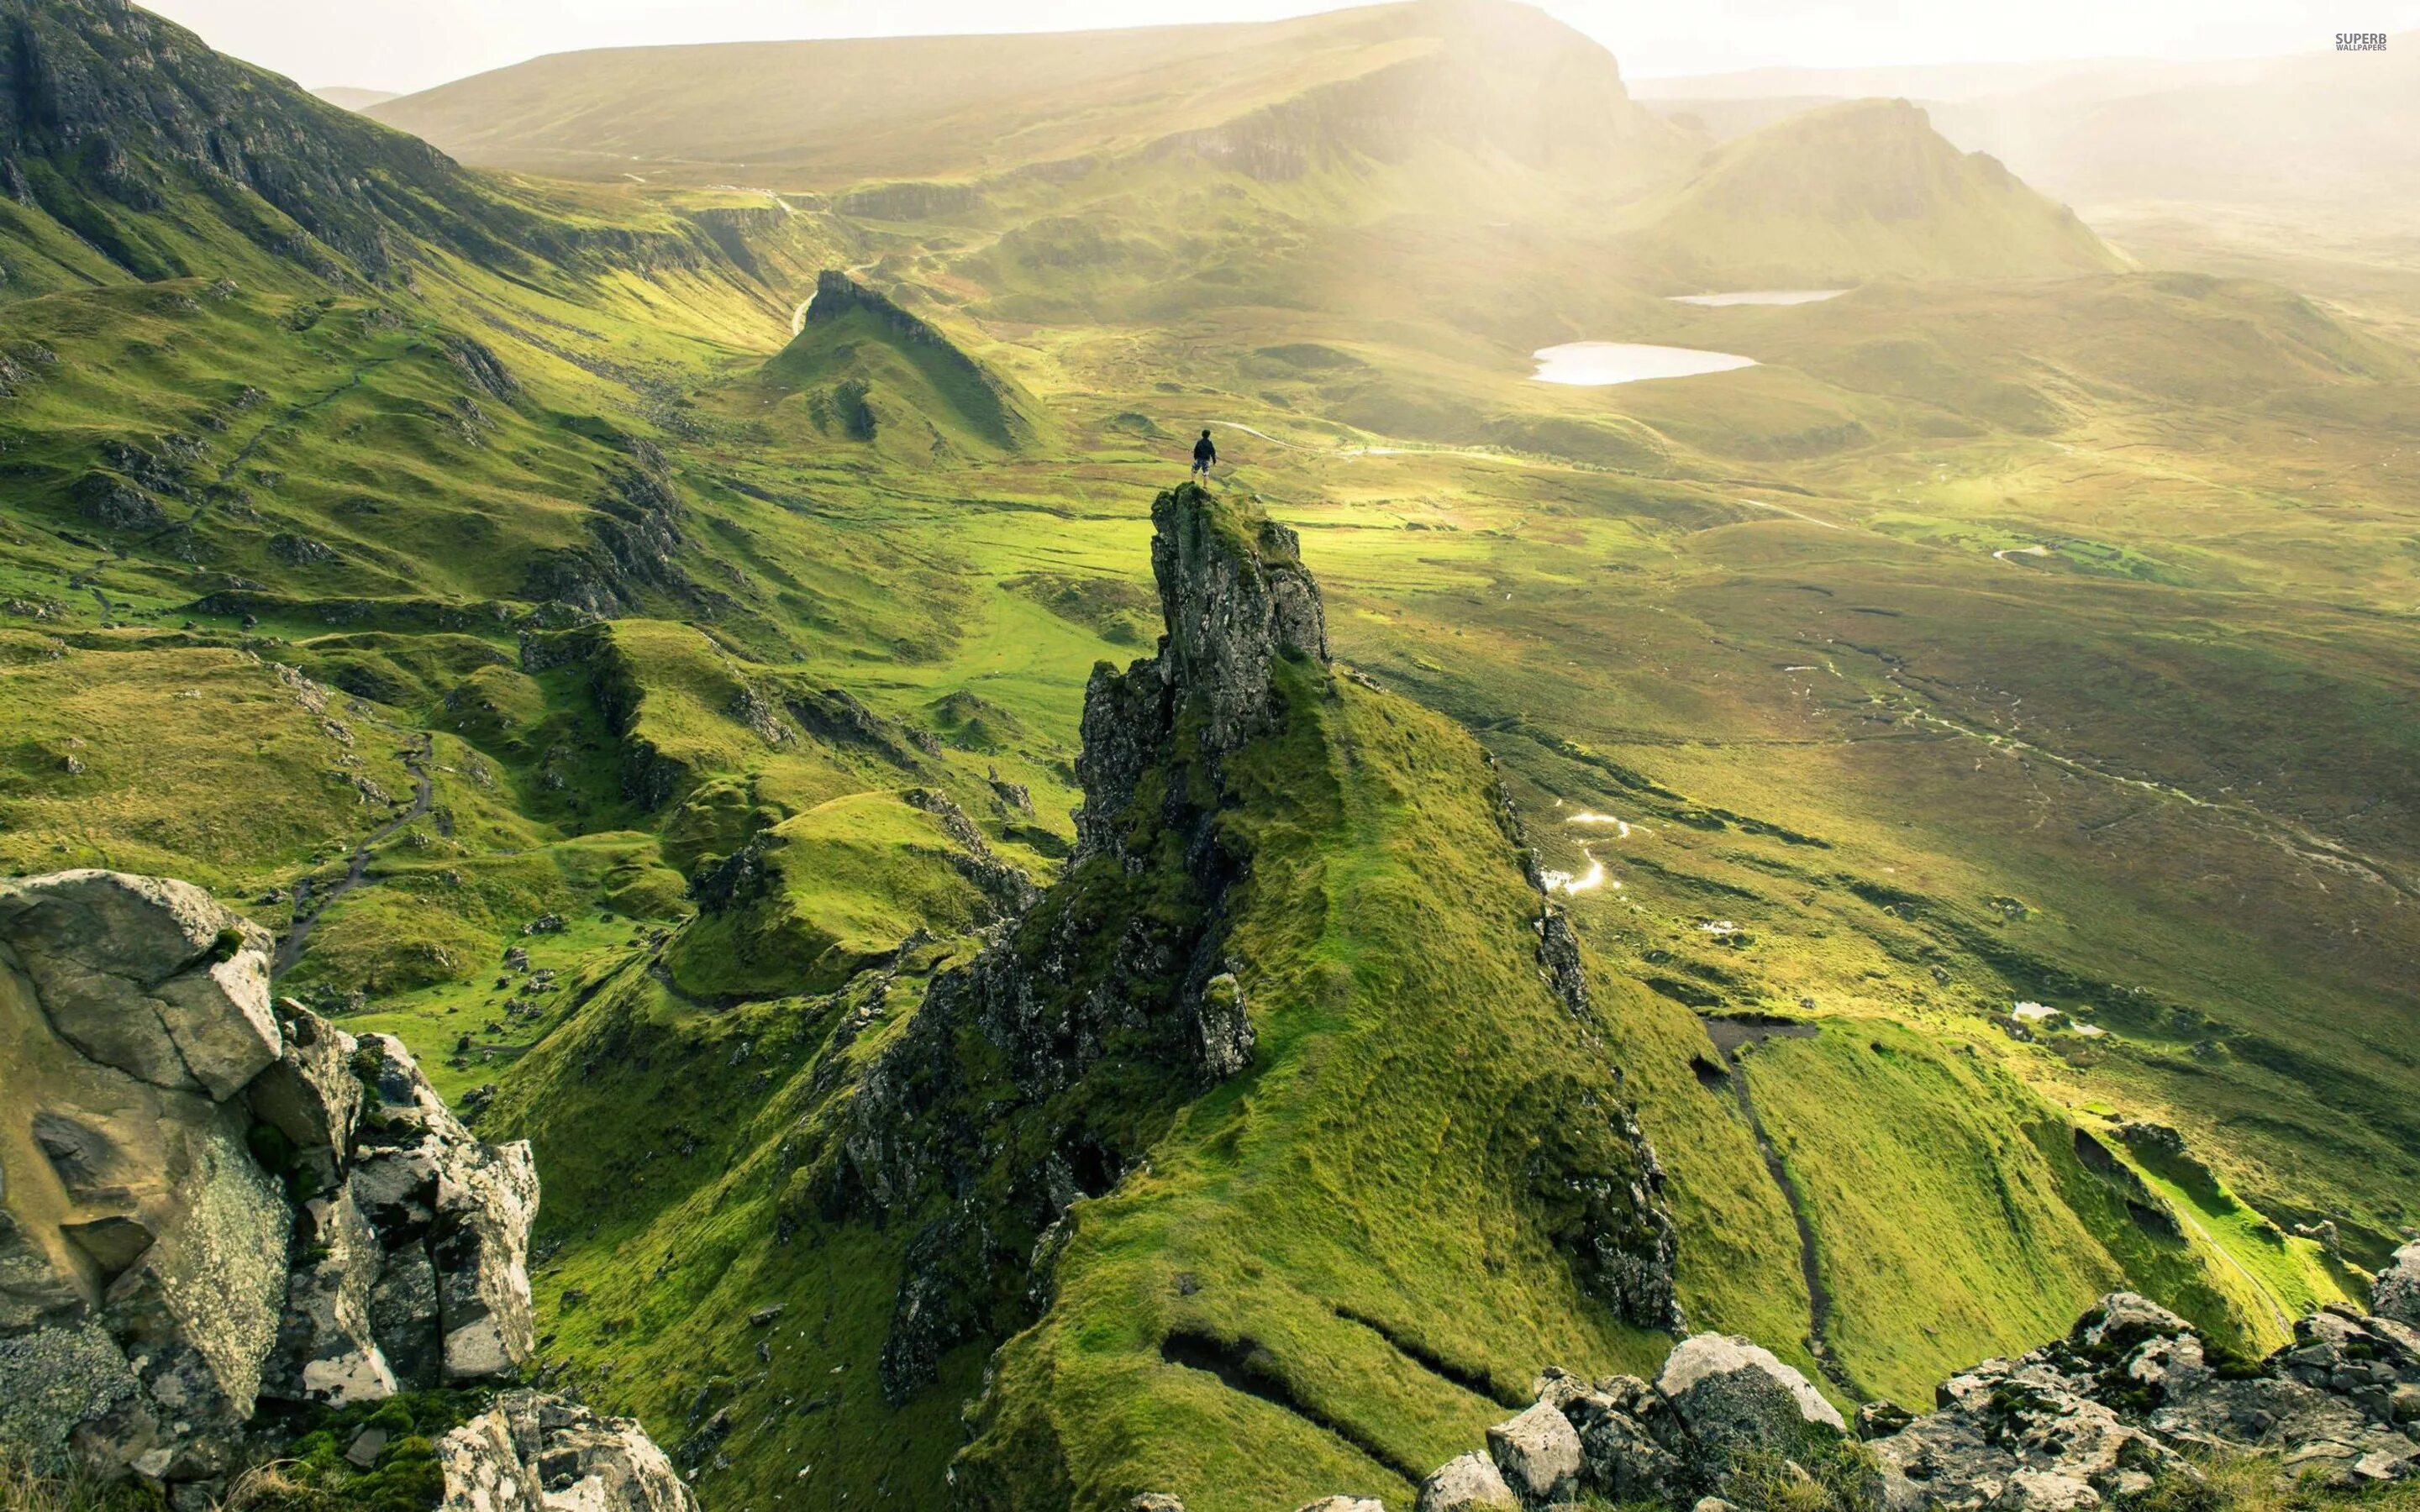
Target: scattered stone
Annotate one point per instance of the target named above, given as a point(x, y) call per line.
point(2396, 1293)
point(1470, 1483)
point(533, 1450)
point(366, 1447)
point(1538, 1454)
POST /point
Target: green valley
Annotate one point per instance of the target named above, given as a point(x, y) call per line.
point(684, 619)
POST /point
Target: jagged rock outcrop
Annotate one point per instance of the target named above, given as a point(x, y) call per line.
point(2397, 1295)
point(533, 1452)
point(1235, 597)
point(2098, 1413)
point(1122, 959)
point(2097, 1417)
point(208, 1200)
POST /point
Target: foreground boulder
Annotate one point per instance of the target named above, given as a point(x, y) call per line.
point(2100, 1413)
point(2098, 1416)
point(1731, 1395)
point(2396, 1296)
point(1717, 1400)
point(533, 1451)
point(208, 1201)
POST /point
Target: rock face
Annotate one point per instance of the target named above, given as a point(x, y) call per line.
point(2397, 1295)
point(1149, 871)
point(537, 1453)
point(2098, 1413)
point(1235, 597)
point(207, 1201)
point(2095, 1417)
point(116, 102)
point(1729, 1392)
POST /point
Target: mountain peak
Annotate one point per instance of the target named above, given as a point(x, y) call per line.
point(1861, 189)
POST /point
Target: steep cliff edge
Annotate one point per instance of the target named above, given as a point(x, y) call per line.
point(1281, 1120)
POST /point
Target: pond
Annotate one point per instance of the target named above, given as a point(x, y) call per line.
point(1592, 363)
point(1762, 296)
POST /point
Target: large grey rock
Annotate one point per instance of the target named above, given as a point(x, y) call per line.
point(2396, 1293)
point(1732, 1396)
point(310, 1094)
point(2099, 1414)
point(1343, 1504)
point(327, 1348)
point(1470, 1483)
point(538, 1453)
point(146, 975)
point(1538, 1453)
point(451, 1210)
point(405, 1318)
point(157, 1281)
point(74, 1377)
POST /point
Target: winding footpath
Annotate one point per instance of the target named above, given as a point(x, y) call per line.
point(290, 948)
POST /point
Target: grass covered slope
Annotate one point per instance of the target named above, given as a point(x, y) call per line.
point(1358, 1241)
point(1850, 192)
point(1335, 1270)
point(836, 116)
point(866, 370)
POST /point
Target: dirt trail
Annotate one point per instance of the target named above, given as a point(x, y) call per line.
point(1730, 1036)
point(289, 949)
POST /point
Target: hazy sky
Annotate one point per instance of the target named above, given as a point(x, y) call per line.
point(411, 44)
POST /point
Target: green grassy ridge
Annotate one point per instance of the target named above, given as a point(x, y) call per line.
point(1853, 192)
point(847, 880)
point(2210, 487)
point(833, 116)
point(870, 369)
point(1274, 1214)
point(673, 1133)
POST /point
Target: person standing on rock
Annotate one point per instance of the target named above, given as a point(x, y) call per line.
point(1203, 454)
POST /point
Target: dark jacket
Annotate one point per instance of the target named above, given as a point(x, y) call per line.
point(1205, 452)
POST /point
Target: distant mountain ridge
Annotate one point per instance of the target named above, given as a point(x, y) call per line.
point(108, 112)
point(828, 114)
point(351, 97)
point(1859, 190)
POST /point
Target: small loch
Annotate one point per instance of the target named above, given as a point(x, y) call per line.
point(1761, 296)
point(1594, 364)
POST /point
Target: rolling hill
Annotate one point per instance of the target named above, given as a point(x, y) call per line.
point(1846, 193)
point(827, 116)
point(353, 98)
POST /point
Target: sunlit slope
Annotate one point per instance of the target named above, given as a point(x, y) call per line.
point(1855, 192)
point(831, 115)
point(861, 369)
point(2330, 131)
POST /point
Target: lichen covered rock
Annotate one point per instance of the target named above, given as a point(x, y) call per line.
point(201, 1205)
point(533, 1452)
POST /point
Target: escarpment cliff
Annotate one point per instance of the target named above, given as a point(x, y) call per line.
point(1300, 984)
point(1120, 965)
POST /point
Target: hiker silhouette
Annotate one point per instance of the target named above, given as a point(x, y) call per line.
point(1203, 454)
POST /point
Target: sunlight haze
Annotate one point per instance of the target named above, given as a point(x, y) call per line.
point(404, 45)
